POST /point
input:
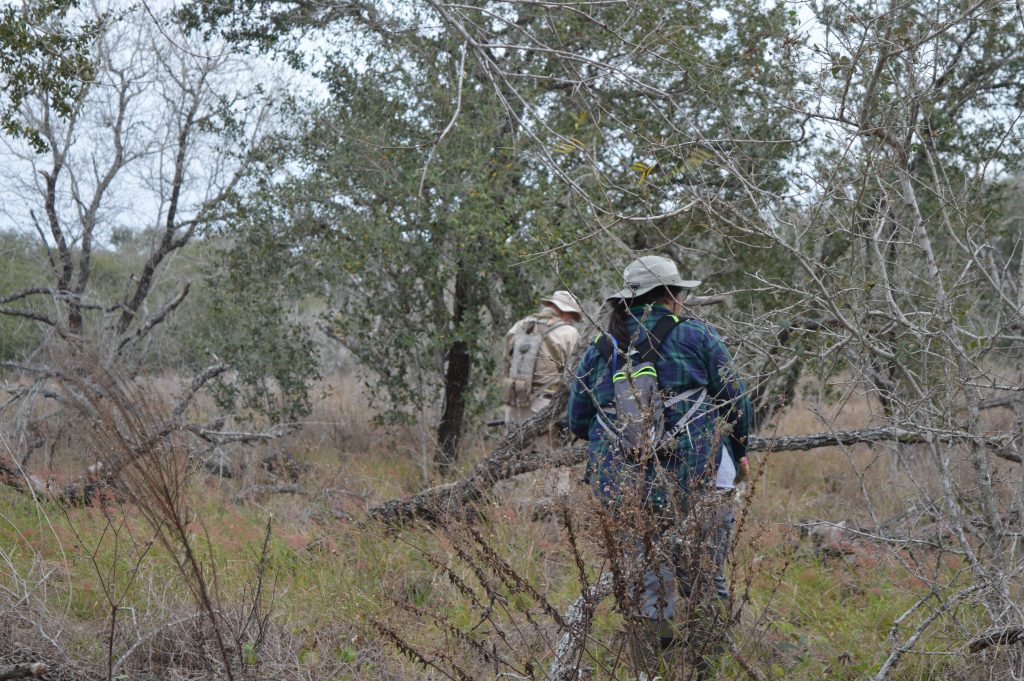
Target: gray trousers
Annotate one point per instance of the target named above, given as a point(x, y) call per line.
point(697, 564)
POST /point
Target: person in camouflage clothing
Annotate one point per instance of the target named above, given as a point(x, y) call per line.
point(555, 324)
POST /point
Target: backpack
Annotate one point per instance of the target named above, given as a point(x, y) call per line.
point(636, 424)
point(517, 386)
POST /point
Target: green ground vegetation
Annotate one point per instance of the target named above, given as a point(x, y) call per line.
point(332, 581)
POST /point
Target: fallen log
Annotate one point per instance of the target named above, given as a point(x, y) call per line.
point(1000, 637)
point(508, 460)
point(23, 671)
point(79, 491)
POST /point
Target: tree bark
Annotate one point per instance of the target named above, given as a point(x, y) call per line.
point(456, 383)
point(22, 671)
point(1001, 637)
point(456, 380)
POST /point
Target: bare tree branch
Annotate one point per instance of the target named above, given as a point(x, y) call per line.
point(156, 319)
point(224, 437)
point(202, 378)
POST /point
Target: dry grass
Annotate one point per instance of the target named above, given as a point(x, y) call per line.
point(825, 482)
point(328, 576)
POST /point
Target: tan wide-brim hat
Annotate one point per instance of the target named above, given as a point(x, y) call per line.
point(648, 273)
point(564, 301)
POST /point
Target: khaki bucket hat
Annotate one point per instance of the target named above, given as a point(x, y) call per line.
point(564, 301)
point(648, 273)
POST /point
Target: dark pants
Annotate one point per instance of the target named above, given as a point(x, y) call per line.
point(697, 567)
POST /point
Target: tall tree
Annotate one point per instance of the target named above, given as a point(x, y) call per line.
point(41, 48)
point(492, 152)
point(151, 144)
point(419, 222)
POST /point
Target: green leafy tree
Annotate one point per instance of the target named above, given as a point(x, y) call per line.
point(442, 163)
point(423, 246)
point(41, 50)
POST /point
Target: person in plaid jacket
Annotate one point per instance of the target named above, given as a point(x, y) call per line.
point(702, 460)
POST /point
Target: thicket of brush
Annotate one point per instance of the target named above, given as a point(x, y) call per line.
point(172, 573)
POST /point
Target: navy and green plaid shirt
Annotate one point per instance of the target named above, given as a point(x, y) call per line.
point(692, 356)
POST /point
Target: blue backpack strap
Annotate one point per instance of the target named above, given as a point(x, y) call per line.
point(649, 348)
point(609, 349)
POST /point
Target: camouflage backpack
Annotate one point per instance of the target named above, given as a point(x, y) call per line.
point(517, 387)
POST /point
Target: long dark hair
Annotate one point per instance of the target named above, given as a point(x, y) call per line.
point(619, 314)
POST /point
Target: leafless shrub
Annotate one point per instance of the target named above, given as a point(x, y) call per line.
point(148, 463)
point(523, 621)
point(115, 587)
